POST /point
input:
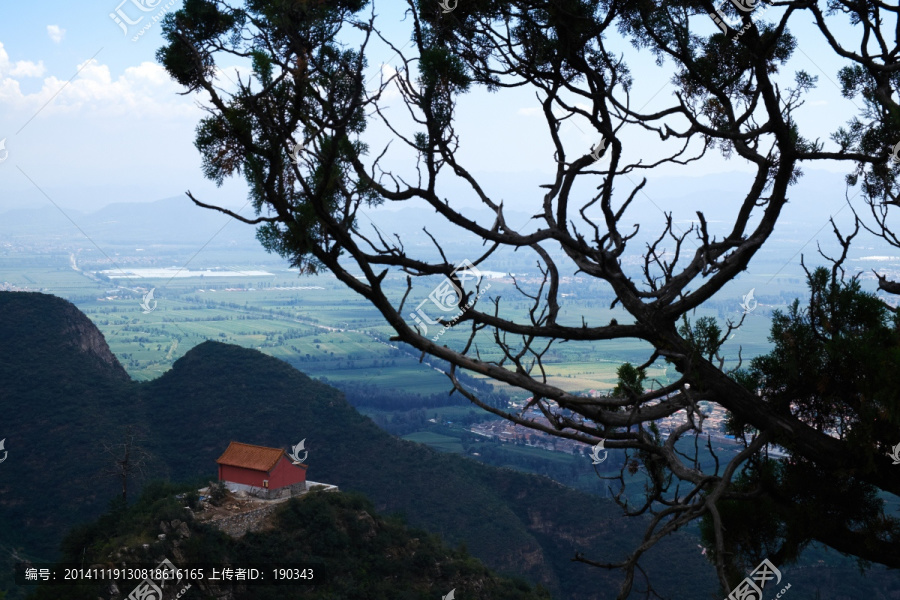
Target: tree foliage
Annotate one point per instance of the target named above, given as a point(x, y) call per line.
point(833, 367)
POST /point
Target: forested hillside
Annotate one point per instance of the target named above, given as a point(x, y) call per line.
point(352, 552)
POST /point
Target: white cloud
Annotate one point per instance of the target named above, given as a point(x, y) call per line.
point(22, 68)
point(142, 91)
point(392, 92)
point(56, 33)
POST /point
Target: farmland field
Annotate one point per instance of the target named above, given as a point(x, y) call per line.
point(441, 442)
point(317, 324)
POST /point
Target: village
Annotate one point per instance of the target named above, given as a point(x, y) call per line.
point(505, 431)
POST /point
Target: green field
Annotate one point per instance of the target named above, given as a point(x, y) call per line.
point(444, 443)
point(328, 332)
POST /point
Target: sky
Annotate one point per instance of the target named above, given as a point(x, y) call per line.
point(89, 117)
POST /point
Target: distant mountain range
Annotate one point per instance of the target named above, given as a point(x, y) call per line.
point(178, 220)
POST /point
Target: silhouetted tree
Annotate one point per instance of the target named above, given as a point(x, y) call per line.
point(730, 96)
point(128, 459)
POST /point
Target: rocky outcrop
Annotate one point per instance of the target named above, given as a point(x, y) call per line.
point(40, 321)
point(177, 528)
point(239, 524)
point(86, 337)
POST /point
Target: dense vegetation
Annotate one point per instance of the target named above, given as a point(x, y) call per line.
point(357, 553)
point(835, 363)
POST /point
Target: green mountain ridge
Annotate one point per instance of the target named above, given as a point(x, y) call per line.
point(65, 395)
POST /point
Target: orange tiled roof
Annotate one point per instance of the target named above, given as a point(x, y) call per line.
point(248, 456)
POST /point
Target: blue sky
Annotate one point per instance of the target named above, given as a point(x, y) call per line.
point(118, 131)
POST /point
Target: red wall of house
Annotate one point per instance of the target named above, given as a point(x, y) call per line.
point(286, 473)
point(283, 474)
point(242, 475)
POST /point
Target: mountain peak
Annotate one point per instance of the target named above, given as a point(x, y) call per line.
point(38, 321)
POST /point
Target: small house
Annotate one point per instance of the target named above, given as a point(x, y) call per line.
point(260, 471)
